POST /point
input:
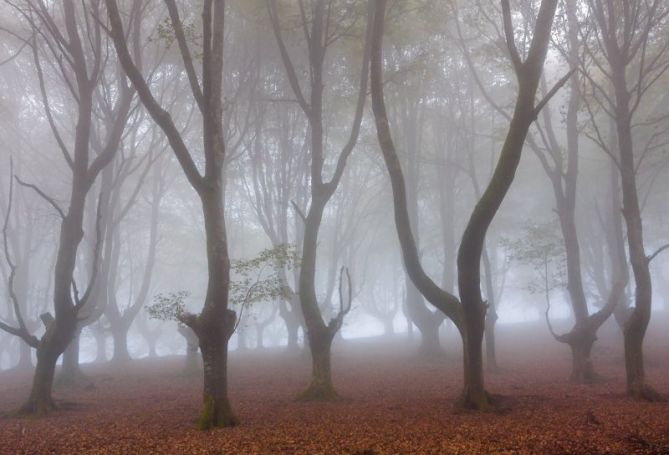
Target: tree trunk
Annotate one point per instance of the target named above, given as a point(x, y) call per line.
point(121, 353)
point(293, 329)
point(40, 402)
point(320, 388)
point(151, 341)
point(101, 345)
point(70, 373)
point(260, 330)
point(582, 370)
point(389, 327)
point(216, 410)
point(25, 357)
point(490, 347)
point(474, 395)
point(426, 321)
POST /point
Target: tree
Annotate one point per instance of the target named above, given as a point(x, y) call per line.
point(469, 311)
point(629, 51)
point(215, 323)
point(329, 21)
point(78, 38)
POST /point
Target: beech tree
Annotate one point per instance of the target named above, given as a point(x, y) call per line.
point(215, 323)
point(72, 36)
point(631, 55)
point(469, 311)
point(327, 23)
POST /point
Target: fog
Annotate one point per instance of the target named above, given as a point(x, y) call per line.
point(319, 181)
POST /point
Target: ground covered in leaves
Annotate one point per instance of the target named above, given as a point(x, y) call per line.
point(393, 402)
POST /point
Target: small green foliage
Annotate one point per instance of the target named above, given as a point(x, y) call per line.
point(541, 248)
point(168, 306)
point(260, 278)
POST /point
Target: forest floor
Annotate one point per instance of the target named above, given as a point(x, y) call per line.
point(393, 402)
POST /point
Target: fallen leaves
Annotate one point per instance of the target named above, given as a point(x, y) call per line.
point(393, 402)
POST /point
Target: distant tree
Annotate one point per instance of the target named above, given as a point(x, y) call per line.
point(67, 33)
point(627, 46)
point(323, 24)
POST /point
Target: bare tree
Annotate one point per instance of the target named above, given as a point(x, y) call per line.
point(468, 312)
point(626, 49)
point(328, 22)
point(73, 38)
point(215, 323)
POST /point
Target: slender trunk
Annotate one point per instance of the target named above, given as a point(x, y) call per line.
point(637, 323)
point(101, 343)
point(151, 342)
point(293, 328)
point(70, 373)
point(490, 347)
point(260, 330)
point(389, 326)
point(25, 357)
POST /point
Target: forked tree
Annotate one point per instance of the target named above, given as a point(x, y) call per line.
point(628, 49)
point(468, 313)
point(72, 36)
point(321, 30)
point(215, 323)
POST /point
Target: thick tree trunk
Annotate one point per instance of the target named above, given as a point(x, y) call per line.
point(121, 353)
point(40, 402)
point(474, 395)
point(580, 341)
point(320, 388)
point(216, 409)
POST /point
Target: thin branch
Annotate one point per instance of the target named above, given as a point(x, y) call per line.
point(553, 91)
point(46, 197)
point(658, 251)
